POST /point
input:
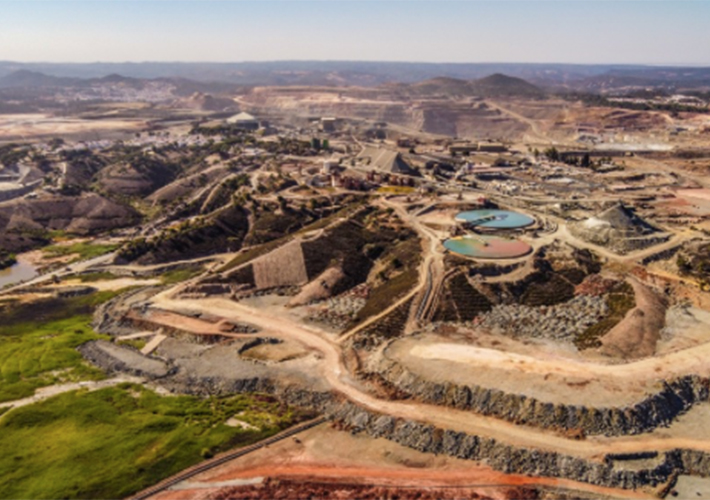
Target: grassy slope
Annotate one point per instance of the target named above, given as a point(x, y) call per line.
point(38, 344)
point(81, 251)
point(113, 442)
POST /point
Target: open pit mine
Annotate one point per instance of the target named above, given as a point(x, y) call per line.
point(429, 290)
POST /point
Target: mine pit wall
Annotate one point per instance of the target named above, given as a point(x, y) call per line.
point(608, 472)
point(517, 460)
point(656, 410)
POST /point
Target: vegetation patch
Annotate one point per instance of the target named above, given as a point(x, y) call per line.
point(7, 259)
point(461, 301)
point(114, 442)
point(386, 294)
point(137, 344)
point(97, 276)
point(38, 343)
point(216, 233)
point(252, 253)
point(555, 290)
point(179, 275)
point(82, 250)
point(388, 327)
point(695, 262)
point(620, 300)
point(396, 190)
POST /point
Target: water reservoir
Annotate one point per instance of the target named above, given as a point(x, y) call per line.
point(495, 219)
point(487, 247)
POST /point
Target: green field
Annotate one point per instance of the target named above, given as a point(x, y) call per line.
point(81, 251)
point(38, 343)
point(113, 442)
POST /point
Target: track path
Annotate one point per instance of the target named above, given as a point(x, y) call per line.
point(431, 269)
point(54, 390)
point(336, 374)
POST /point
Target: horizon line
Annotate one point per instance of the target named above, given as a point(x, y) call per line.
point(276, 61)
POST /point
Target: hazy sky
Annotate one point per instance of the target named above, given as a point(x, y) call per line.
point(575, 31)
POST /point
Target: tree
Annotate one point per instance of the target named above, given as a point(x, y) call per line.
point(552, 154)
point(586, 161)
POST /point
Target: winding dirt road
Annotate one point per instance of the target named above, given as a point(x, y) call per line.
point(431, 270)
point(338, 377)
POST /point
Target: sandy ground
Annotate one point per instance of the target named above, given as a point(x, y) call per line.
point(325, 454)
point(116, 284)
point(546, 375)
point(54, 390)
point(668, 366)
point(685, 328)
point(695, 194)
point(692, 487)
point(33, 125)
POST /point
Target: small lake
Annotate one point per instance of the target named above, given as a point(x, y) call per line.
point(14, 274)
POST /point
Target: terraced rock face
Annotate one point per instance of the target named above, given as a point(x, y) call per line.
point(643, 412)
point(612, 471)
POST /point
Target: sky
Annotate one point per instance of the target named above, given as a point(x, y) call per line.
point(673, 32)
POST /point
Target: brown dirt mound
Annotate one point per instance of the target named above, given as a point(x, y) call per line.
point(84, 214)
point(296, 490)
point(637, 334)
point(320, 288)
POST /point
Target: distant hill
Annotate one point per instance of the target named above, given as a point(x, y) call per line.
point(26, 78)
point(499, 85)
point(496, 85)
point(35, 80)
point(594, 77)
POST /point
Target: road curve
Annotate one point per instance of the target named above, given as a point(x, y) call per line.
point(338, 377)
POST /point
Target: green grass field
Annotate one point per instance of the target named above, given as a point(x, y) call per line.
point(114, 442)
point(38, 344)
point(81, 251)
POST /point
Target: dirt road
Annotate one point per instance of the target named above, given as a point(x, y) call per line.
point(338, 377)
point(431, 269)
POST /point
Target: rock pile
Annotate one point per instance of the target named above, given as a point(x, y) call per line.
point(338, 312)
point(560, 322)
point(595, 285)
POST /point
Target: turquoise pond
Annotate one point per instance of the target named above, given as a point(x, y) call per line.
point(495, 219)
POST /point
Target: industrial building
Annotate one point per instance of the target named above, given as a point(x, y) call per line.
point(243, 121)
point(385, 160)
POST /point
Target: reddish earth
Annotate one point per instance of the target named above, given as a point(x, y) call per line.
point(326, 463)
point(287, 489)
